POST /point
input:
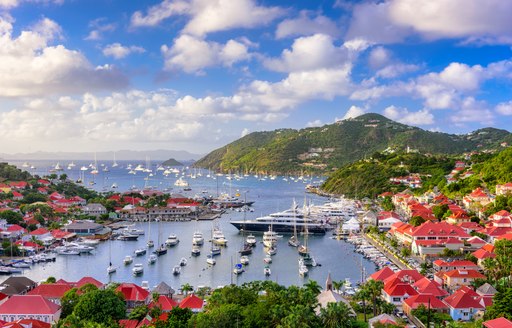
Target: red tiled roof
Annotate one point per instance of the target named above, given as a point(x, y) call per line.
point(469, 291)
point(28, 304)
point(128, 323)
point(461, 300)
point(88, 280)
point(26, 323)
point(15, 227)
point(132, 292)
point(498, 323)
point(427, 286)
point(507, 236)
point(464, 274)
point(50, 290)
point(400, 290)
point(405, 275)
point(39, 231)
point(483, 254)
point(166, 303)
point(382, 274)
point(478, 193)
point(439, 229)
point(192, 302)
point(415, 301)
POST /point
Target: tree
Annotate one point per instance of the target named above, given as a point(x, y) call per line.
point(387, 204)
point(374, 288)
point(363, 295)
point(501, 305)
point(176, 318)
point(139, 312)
point(186, 288)
point(439, 210)
point(68, 302)
point(50, 280)
point(101, 306)
point(416, 221)
point(406, 251)
point(11, 217)
point(336, 315)
point(313, 287)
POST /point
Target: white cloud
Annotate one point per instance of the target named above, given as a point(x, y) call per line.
point(309, 53)
point(504, 108)
point(395, 70)
point(402, 115)
point(192, 54)
point(30, 66)
point(118, 51)
point(98, 28)
point(394, 20)
point(8, 3)
point(245, 132)
point(472, 110)
point(207, 16)
point(304, 25)
point(353, 112)
point(379, 56)
point(315, 123)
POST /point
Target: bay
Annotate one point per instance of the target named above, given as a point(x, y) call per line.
point(334, 256)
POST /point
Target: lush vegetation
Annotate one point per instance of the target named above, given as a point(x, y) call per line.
point(289, 151)
point(369, 178)
point(12, 173)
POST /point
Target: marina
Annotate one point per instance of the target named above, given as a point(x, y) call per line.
point(208, 263)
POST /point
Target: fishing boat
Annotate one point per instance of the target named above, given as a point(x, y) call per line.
point(210, 260)
point(267, 271)
point(238, 269)
point(127, 260)
point(172, 240)
point(137, 269)
point(140, 251)
point(176, 270)
point(152, 258)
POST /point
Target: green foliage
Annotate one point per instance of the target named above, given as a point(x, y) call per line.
point(422, 313)
point(139, 312)
point(336, 315)
point(31, 197)
point(50, 280)
point(100, 306)
point(387, 204)
point(172, 162)
point(177, 318)
point(12, 173)
point(68, 302)
point(11, 249)
point(501, 306)
point(440, 210)
point(416, 221)
point(11, 217)
point(353, 139)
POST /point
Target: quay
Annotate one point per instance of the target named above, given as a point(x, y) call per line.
point(392, 257)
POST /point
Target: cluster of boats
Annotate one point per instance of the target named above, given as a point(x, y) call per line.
point(370, 252)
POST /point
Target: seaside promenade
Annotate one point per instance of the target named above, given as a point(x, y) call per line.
point(392, 257)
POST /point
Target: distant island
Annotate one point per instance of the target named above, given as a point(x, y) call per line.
point(172, 162)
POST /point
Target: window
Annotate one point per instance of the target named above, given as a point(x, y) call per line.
point(396, 299)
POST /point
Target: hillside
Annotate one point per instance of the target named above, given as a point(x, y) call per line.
point(326, 148)
point(172, 162)
point(371, 177)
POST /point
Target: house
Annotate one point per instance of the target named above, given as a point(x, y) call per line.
point(163, 289)
point(37, 307)
point(458, 217)
point(165, 303)
point(504, 189)
point(94, 209)
point(481, 254)
point(14, 231)
point(42, 235)
point(454, 279)
point(52, 292)
point(498, 323)
point(476, 199)
point(17, 286)
point(382, 274)
point(386, 220)
point(426, 286)
point(86, 228)
point(396, 293)
point(441, 265)
point(429, 301)
point(463, 306)
point(134, 295)
point(26, 323)
point(192, 302)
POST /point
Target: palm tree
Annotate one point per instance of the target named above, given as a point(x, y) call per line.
point(363, 295)
point(336, 285)
point(313, 286)
point(491, 269)
point(374, 288)
point(187, 288)
point(336, 315)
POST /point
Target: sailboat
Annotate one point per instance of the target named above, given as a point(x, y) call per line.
point(214, 250)
point(294, 241)
point(115, 163)
point(95, 167)
point(246, 247)
point(161, 250)
point(111, 268)
point(150, 242)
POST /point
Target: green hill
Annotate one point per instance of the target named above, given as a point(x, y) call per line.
point(172, 162)
point(326, 148)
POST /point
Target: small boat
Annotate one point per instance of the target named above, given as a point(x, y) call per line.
point(183, 261)
point(303, 270)
point(267, 271)
point(303, 250)
point(196, 251)
point(111, 269)
point(246, 249)
point(251, 240)
point(127, 260)
point(272, 251)
point(66, 251)
point(152, 258)
point(176, 270)
point(267, 259)
point(238, 269)
point(140, 251)
point(270, 238)
point(210, 260)
point(244, 260)
point(215, 251)
point(293, 241)
point(137, 269)
point(172, 240)
point(128, 237)
point(161, 250)
point(150, 243)
point(197, 238)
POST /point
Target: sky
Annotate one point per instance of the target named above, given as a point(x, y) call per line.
point(105, 75)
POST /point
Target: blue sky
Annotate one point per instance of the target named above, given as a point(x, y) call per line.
point(90, 75)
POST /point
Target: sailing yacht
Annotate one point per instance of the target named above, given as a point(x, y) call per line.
point(115, 163)
point(111, 268)
point(270, 238)
point(161, 250)
point(293, 241)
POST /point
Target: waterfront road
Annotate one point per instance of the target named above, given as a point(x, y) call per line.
point(387, 253)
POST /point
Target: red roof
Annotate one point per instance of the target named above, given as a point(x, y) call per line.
point(427, 286)
point(39, 231)
point(400, 290)
point(58, 234)
point(26, 323)
point(439, 229)
point(132, 292)
point(15, 227)
point(478, 193)
point(50, 290)
point(88, 280)
point(507, 236)
point(128, 323)
point(483, 254)
point(464, 274)
point(462, 300)
point(498, 323)
point(382, 274)
point(422, 299)
point(405, 276)
point(165, 303)
point(28, 304)
point(192, 302)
